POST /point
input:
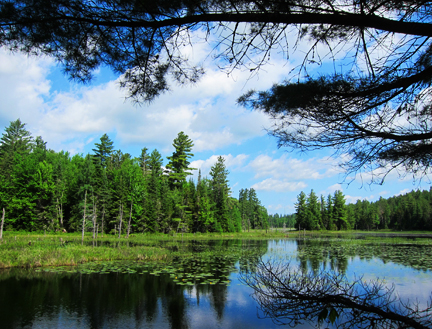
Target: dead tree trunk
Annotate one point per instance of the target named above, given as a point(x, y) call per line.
point(1, 225)
point(103, 216)
point(83, 223)
point(129, 224)
point(61, 211)
point(121, 220)
point(94, 217)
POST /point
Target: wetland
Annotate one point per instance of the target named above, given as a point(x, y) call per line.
point(194, 282)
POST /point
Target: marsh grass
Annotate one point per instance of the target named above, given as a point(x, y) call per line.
point(34, 250)
point(23, 249)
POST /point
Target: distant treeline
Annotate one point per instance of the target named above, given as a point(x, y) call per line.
point(411, 211)
point(282, 221)
point(109, 191)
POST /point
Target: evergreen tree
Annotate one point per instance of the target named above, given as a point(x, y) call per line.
point(143, 160)
point(206, 216)
point(339, 211)
point(243, 205)
point(62, 183)
point(103, 150)
point(313, 217)
point(102, 193)
point(330, 214)
point(155, 162)
point(263, 217)
point(254, 210)
point(301, 211)
point(84, 192)
point(15, 140)
point(44, 196)
point(220, 193)
point(110, 191)
point(235, 216)
point(324, 215)
point(153, 210)
point(179, 161)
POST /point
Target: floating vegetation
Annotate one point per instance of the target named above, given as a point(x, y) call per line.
point(206, 268)
point(410, 253)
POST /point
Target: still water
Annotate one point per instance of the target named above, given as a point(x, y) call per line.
point(202, 292)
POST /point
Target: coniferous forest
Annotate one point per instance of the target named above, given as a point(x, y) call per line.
point(411, 211)
point(112, 192)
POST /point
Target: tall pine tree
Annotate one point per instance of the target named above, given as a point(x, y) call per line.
point(220, 193)
point(179, 161)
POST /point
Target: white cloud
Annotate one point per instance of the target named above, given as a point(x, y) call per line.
point(23, 87)
point(231, 163)
point(292, 168)
point(206, 112)
point(404, 191)
point(275, 207)
point(388, 173)
point(354, 199)
point(271, 184)
point(331, 189)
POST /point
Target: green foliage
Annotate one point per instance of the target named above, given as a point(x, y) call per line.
point(412, 211)
point(313, 213)
point(301, 211)
point(355, 110)
point(282, 220)
point(103, 151)
point(45, 190)
point(179, 161)
point(253, 214)
point(16, 140)
point(220, 193)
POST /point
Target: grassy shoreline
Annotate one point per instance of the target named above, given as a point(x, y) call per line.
point(23, 249)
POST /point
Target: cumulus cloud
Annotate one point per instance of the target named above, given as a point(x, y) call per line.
point(402, 192)
point(275, 207)
point(271, 184)
point(288, 174)
point(354, 199)
point(331, 189)
point(292, 168)
point(23, 86)
point(231, 163)
point(66, 119)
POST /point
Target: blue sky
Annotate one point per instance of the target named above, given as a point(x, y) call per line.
point(72, 117)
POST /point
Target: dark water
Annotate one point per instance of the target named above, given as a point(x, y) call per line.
point(123, 301)
point(31, 299)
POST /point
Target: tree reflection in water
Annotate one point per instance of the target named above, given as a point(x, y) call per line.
point(118, 299)
point(291, 296)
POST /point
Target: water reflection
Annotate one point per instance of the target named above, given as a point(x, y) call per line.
point(101, 300)
point(30, 299)
point(43, 299)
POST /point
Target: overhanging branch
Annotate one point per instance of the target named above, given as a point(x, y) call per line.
point(337, 18)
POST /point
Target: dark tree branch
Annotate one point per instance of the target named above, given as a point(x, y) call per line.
point(290, 296)
point(337, 18)
point(377, 110)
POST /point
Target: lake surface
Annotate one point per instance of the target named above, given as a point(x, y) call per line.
point(203, 291)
